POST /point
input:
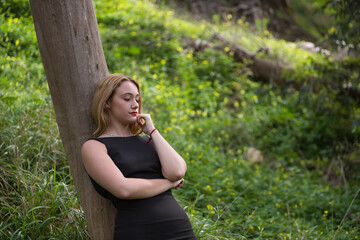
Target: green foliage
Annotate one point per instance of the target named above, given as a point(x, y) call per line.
point(15, 8)
point(37, 194)
point(347, 17)
point(210, 110)
point(317, 26)
point(39, 205)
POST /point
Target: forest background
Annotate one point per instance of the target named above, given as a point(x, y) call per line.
point(269, 156)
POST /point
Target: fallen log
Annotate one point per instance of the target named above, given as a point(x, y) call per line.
point(268, 71)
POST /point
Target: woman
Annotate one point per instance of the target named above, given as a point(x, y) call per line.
point(135, 172)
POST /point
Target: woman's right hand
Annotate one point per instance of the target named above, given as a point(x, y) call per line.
point(145, 122)
point(178, 184)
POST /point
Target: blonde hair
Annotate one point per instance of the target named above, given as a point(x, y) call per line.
point(104, 91)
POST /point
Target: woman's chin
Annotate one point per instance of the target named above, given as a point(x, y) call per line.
point(132, 120)
point(127, 121)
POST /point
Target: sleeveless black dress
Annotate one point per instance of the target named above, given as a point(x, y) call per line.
point(156, 218)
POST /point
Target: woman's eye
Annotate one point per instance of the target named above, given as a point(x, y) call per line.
point(127, 99)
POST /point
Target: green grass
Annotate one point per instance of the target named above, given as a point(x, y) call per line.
point(211, 111)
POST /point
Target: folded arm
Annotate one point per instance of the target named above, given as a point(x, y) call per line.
point(102, 169)
point(173, 165)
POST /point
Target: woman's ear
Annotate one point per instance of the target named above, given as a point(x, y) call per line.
point(107, 105)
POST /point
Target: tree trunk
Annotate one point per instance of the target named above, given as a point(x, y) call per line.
point(74, 62)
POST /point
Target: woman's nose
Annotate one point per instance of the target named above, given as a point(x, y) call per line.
point(134, 104)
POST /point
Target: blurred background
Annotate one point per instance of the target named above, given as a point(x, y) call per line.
point(261, 98)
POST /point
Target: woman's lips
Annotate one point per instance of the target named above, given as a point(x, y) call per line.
point(133, 113)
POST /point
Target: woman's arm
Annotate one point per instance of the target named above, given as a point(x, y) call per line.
point(102, 169)
point(173, 165)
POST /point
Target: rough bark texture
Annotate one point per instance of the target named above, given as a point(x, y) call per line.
point(74, 62)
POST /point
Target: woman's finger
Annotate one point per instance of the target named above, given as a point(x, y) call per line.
point(141, 121)
point(180, 184)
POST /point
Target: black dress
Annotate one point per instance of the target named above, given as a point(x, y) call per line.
point(159, 217)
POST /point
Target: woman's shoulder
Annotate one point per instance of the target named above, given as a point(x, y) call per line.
point(94, 140)
point(92, 143)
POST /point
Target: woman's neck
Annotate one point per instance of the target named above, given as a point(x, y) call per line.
point(118, 130)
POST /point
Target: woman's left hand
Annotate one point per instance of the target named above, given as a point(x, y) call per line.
point(180, 183)
point(145, 122)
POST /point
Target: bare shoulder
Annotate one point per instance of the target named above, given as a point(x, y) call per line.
point(92, 147)
point(91, 143)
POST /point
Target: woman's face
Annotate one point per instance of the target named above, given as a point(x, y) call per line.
point(124, 104)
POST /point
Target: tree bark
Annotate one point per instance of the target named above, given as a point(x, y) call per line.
point(73, 58)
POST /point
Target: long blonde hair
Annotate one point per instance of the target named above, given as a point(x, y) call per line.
point(104, 91)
